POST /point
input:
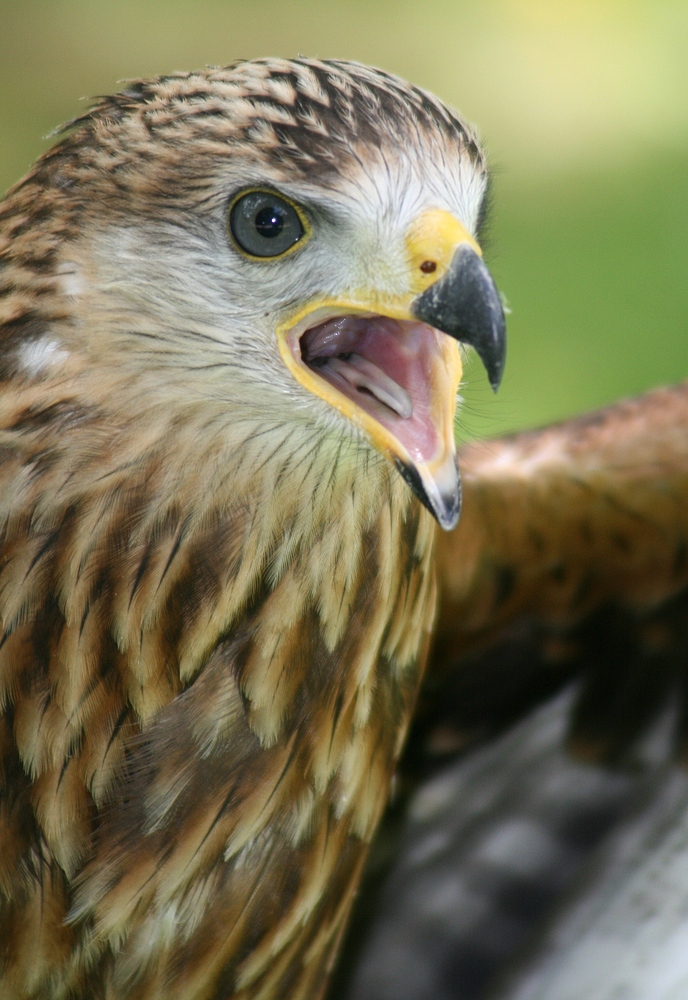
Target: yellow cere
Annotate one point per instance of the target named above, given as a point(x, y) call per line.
point(434, 236)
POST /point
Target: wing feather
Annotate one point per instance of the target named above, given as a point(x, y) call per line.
point(571, 559)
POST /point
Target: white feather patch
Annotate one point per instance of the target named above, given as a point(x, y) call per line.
point(37, 355)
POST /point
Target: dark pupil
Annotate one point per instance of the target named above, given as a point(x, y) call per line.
point(269, 221)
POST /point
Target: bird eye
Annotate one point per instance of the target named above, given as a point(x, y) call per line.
point(263, 224)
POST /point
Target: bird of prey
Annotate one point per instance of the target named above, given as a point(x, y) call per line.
point(230, 303)
point(230, 306)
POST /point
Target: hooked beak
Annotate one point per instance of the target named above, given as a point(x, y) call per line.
point(387, 361)
point(466, 305)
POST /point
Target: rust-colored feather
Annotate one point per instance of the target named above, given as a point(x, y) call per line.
point(558, 521)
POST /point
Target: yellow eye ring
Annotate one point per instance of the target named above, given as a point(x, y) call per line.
point(265, 225)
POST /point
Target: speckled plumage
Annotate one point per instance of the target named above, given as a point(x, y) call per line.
point(216, 598)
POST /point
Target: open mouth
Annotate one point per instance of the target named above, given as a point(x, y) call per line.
point(386, 367)
point(395, 375)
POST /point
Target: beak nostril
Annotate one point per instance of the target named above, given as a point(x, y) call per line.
point(428, 266)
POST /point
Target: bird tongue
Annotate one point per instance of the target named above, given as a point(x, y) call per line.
point(384, 366)
point(365, 377)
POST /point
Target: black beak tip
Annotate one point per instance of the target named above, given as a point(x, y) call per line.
point(445, 509)
point(494, 366)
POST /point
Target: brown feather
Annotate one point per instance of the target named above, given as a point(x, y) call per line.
point(558, 521)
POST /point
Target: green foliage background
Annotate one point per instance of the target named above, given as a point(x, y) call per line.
point(584, 110)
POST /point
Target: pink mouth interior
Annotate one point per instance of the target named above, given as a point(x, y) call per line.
point(384, 366)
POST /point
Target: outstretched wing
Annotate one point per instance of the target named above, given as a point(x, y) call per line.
point(571, 558)
point(558, 521)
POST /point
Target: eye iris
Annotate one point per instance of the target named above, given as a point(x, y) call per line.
point(269, 222)
point(263, 224)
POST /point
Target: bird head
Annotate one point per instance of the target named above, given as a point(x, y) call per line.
point(284, 243)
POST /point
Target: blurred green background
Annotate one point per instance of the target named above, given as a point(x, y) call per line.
point(583, 107)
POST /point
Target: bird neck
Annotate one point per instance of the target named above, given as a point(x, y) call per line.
point(208, 527)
